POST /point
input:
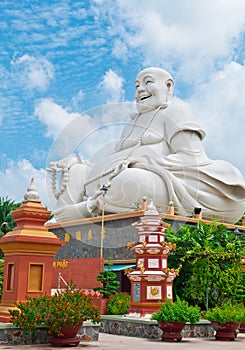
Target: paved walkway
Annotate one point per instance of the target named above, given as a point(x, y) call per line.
point(117, 342)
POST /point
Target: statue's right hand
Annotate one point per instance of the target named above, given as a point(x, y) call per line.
point(122, 166)
point(67, 163)
point(94, 205)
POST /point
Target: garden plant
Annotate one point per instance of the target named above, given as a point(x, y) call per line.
point(68, 307)
point(209, 257)
point(118, 304)
point(178, 311)
point(109, 282)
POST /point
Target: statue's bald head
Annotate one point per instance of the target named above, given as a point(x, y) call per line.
point(154, 88)
point(158, 72)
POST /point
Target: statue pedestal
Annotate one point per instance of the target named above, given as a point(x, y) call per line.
point(28, 250)
point(151, 282)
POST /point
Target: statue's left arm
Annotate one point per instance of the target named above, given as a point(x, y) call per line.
point(184, 137)
point(187, 148)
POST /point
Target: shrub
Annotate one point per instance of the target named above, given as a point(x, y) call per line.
point(226, 313)
point(209, 257)
point(118, 304)
point(69, 307)
point(179, 311)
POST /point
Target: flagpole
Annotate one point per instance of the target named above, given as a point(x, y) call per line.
point(102, 233)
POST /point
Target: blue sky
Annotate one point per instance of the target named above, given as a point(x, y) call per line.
point(61, 59)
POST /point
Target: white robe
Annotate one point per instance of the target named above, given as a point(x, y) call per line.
point(192, 179)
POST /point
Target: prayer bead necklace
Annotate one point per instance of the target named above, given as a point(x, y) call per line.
point(120, 148)
point(125, 138)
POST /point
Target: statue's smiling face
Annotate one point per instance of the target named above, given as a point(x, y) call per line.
point(151, 89)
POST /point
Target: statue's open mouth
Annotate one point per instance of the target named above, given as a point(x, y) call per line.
point(144, 97)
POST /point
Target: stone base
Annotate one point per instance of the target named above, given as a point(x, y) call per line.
point(146, 328)
point(12, 335)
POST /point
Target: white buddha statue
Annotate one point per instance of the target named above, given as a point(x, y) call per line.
point(159, 156)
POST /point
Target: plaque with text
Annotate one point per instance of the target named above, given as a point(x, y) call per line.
point(136, 292)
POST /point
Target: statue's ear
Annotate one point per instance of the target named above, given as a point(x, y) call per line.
point(170, 85)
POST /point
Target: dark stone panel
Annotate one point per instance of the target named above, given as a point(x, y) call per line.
point(119, 232)
point(85, 240)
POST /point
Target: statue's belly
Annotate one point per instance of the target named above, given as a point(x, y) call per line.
point(102, 170)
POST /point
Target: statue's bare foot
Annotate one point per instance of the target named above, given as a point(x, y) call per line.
point(91, 207)
point(72, 212)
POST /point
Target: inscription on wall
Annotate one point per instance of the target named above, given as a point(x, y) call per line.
point(136, 291)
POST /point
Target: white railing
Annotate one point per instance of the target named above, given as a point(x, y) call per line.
point(60, 278)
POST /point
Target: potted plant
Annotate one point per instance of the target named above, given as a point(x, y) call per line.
point(172, 317)
point(62, 313)
point(226, 319)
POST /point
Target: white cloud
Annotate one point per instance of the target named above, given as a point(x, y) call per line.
point(184, 36)
point(1, 111)
point(111, 86)
point(53, 116)
point(78, 100)
point(33, 72)
point(68, 130)
point(120, 50)
point(5, 79)
point(16, 177)
point(84, 134)
point(219, 106)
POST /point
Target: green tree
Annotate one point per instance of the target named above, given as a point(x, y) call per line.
point(6, 219)
point(6, 224)
point(109, 281)
point(210, 261)
point(239, 222)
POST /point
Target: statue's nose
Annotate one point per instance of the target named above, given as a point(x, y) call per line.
point(140, 88)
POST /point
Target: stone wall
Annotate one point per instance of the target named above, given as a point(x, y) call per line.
point(118, 325)
point(11, 335)
point(144, 328)
point(84, 240)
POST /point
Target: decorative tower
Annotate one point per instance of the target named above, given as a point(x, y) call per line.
point(152, 281)
point(28, 250)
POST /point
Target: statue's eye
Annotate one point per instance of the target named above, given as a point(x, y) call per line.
point(148, 81)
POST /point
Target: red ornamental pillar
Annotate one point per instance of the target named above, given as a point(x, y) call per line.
point(28, 254)
point(151, 281)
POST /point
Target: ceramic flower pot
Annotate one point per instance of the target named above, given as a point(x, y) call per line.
point(171, 331)
point(225, 331)
point(242, 327)
point(68, 337)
